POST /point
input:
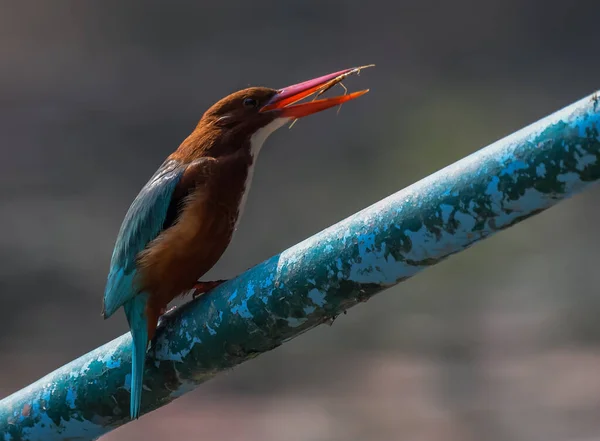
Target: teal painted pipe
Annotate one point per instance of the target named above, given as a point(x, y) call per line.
point(315, 280)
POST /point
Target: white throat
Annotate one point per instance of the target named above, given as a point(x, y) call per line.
point(256, 142)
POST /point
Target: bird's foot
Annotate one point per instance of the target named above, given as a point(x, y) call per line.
point(203, 287)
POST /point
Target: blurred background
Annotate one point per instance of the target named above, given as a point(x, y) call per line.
point(501, 342)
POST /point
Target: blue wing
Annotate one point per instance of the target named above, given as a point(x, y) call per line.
point(143, 223)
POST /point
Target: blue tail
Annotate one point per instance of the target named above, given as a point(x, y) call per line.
point(138, 325)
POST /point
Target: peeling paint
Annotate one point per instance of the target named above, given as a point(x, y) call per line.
point(211, 330)
point(242, 310)
point(294, 322)
point(317, 297)
point(309, 309)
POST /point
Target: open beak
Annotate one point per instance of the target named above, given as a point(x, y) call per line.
point(284, 99)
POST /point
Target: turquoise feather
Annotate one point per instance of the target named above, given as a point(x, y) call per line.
point(138, 325)
point(143, 223)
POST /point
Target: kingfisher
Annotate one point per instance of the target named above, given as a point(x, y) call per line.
point(183, 219)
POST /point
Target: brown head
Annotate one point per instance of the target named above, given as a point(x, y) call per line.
point(246, 118)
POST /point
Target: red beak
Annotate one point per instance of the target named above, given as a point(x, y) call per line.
point(285, 98)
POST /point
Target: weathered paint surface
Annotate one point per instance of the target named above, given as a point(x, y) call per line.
point(320, 277)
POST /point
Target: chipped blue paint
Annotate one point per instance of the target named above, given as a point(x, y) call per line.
point(513, 167)
point(242, 307)
point(492, 187)
point(316, 296)
point(446, 211)
point(309, 309)
point(211, 330)
point(585, 160)
point(541, 170)
point(232, 296)
point(319, 278)
point(570, 180)
point(242, 310)
point(295, 322)
point(70, 398)
point(219, 320)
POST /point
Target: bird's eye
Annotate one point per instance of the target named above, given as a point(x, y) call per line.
point(250, 103)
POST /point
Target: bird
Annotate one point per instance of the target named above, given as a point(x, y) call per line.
point(184, 217)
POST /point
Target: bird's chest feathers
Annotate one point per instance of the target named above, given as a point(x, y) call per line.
point(256, 142)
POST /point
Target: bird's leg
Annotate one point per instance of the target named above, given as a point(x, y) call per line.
point(202, 287)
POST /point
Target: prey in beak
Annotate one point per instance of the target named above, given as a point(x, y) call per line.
point(284, 101)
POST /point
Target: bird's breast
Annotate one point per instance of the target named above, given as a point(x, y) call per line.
point(241, 203)
point(255, 145)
